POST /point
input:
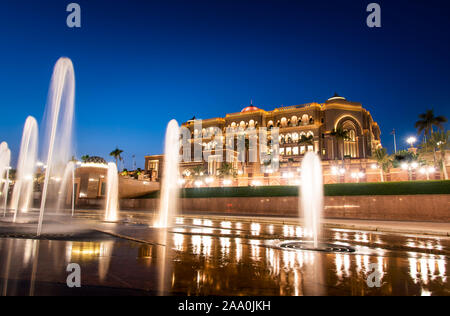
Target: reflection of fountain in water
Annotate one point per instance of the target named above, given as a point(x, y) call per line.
point(112, 194)
point(311, 193)
point(104, 261)
point(59, 117)
point(23, 188)
point(5, 160)
point(69, 177)
point(169, 185)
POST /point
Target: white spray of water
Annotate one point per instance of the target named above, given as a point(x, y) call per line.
point(5, 160)
point(311, 195)
point(26, 167)
point(59, 117)
point(112, 194)
point(169, 186)
point(64, 189)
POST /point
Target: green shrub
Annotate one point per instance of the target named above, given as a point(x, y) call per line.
point(342, 189)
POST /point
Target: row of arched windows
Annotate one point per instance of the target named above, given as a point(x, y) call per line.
point(294, 137)
point(293, 121)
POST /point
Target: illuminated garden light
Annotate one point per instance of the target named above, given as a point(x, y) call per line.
point(198, 183)
point(256, 183)
point(411, 140)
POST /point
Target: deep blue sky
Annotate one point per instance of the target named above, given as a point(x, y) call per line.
point(139, 64)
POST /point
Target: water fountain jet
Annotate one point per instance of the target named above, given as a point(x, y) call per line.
point(311, 204)
point(60, 108)
point(69, 177)
point(311, 195)
point(5, 160)
point(112, 194)
point(169, 184)
point(26, 166)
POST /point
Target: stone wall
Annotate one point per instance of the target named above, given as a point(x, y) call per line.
point(129, 187)
point(432, 208)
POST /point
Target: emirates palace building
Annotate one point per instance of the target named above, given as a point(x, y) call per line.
point(302, 128)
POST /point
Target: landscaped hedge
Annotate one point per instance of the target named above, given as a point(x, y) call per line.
point(344, 189)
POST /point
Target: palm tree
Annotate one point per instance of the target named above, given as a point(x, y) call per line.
point(227, 170)
point(383, 160)
point(306, 140)
point(117, 154)
point(440, 141)
point(85, 158)
point(198, 171)
point(426, 122)
point(340, 135)
point(406, 157)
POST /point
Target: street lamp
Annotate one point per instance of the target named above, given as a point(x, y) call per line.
point(411, 140)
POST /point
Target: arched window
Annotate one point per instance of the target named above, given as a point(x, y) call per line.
point(284, 122)
point(288, 138)
point(294, 120)
point(251, 123)
point(350, 145)
point(305, 119)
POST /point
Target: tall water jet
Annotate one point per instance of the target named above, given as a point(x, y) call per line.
point(112, 194)
point(68, 177)
point(26, 166)
point(311, 195)
point(5, 160)
point(169, 185)
point(59, 120)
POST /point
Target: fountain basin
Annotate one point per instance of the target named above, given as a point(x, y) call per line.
point(322, 247)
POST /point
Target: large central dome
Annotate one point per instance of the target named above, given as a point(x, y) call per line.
point(250, 109)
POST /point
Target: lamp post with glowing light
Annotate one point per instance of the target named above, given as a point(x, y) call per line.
point(358, 176)
point(411, 141)
point(410, 167)
point(427, 171)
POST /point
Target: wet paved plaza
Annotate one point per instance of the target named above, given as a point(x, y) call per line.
point(215, 256)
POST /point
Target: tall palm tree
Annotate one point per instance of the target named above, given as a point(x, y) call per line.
point(440, 141)
point(383, 160)
point(341, 135)
point(117, 154)
point(426, 122)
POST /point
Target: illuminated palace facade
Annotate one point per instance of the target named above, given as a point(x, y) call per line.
point(302, 128)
